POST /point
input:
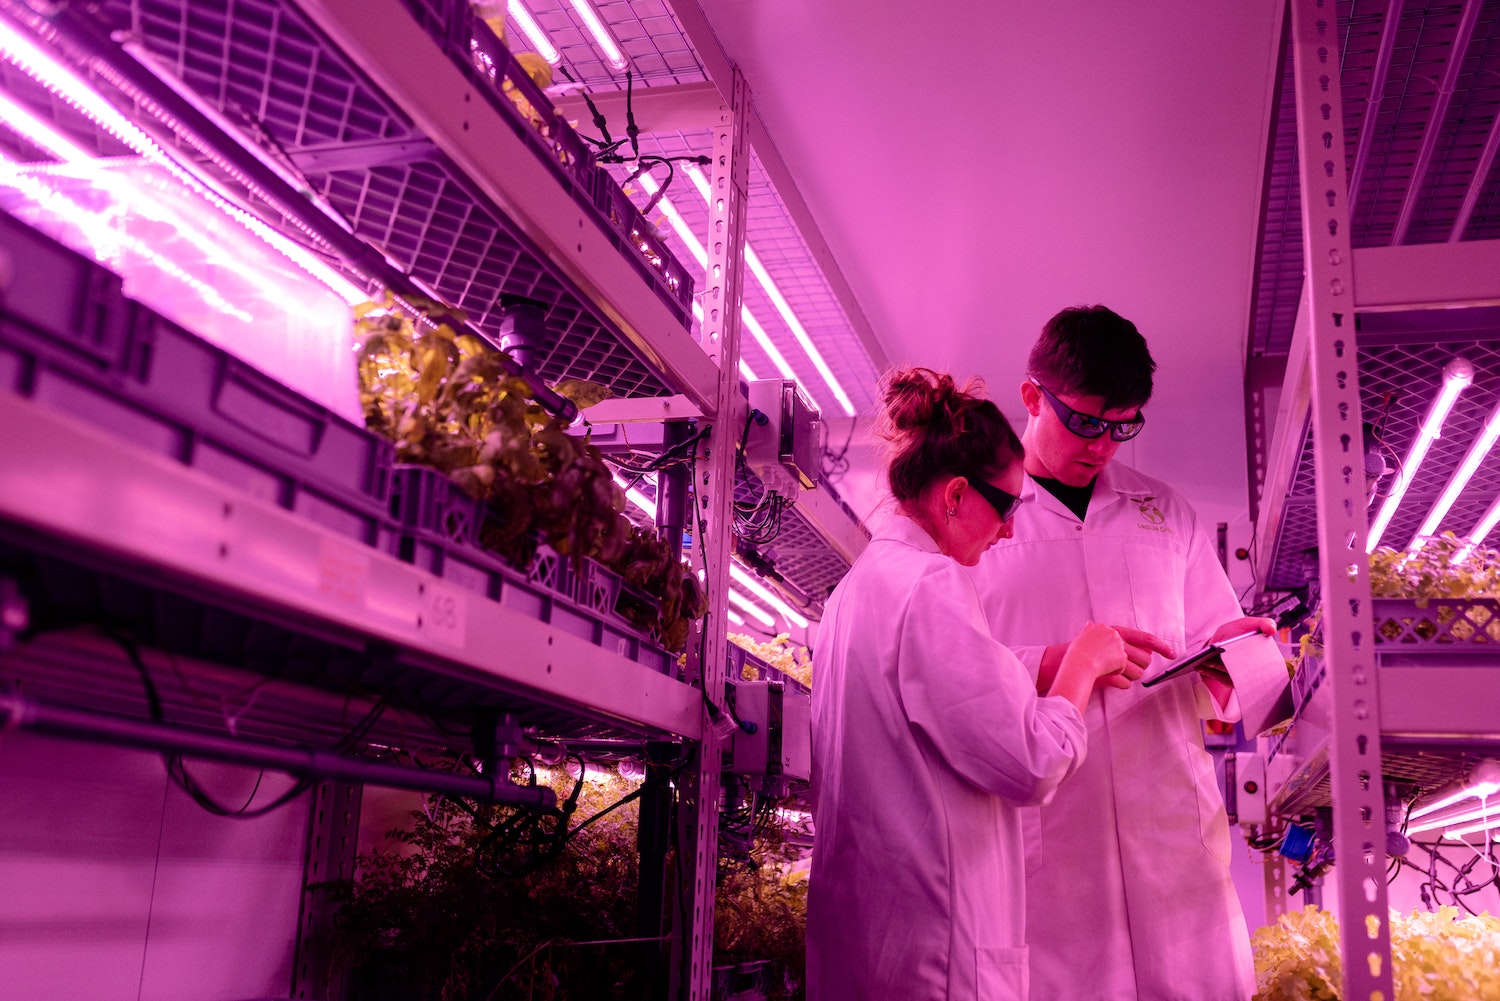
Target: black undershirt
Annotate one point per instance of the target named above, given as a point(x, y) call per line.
point(1075, 499)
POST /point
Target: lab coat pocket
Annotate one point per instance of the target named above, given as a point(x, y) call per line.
point(1001, 973)
point(1158, 575)
point(1213, 821)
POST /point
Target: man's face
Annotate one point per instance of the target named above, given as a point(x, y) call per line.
point(1052, 450)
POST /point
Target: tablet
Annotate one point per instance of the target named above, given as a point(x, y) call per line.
point(1197, 659)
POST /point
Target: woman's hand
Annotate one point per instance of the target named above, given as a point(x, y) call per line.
point(1095, 652)
point(1140, 646)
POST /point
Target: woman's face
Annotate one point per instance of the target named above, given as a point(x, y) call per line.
point(976, 525)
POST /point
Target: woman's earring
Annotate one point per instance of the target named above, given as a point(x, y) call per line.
point(953, 512)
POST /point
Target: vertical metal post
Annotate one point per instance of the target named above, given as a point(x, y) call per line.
point(1354, 751)
point(653, 838)
point(1274, 875)
point(672, 493)
point(714, 524)
point(332, 841)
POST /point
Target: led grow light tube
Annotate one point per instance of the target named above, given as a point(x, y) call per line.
point(695, 247)
point(41, 67)
point(1480, 531)
point(755, 611)
point(1458, 374)
point(765, 594)
point(20, 120)
point(1435, 821)
point(779, 301)
point(1485, 825)
point(533, 32)
point(101, 232)
point(602, 37)
point(1460, 479)
point(1482, 782)
point(101, 229)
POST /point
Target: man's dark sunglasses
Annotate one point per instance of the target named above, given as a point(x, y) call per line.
point(1089, 426)
point(1003, 501)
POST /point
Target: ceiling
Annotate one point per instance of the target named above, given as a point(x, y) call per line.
point(927, 186)
point(977, 166)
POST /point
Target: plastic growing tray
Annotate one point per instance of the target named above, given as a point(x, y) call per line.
point(531, 593)
point(426, 500)
point(1438, 625)
point(60, 303)
point(637, 239)
point(185, 378)
point(596, 587)
point(489, 65)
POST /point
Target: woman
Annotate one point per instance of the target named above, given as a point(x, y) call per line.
point(927, 733)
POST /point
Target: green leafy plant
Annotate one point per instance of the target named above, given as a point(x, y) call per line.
point(496, 903)
point(445, 399)
point(1434, 571)
point(780, 652)
point(647, 562)
point(760, 911)
point(490, 904)
point(448, 401)
point(1436, 956)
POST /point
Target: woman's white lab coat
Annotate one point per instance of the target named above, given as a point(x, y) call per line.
point(927, 735)
point(1134, 849)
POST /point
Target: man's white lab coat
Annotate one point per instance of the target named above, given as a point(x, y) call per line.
point(1134, 850)
point(927, 734)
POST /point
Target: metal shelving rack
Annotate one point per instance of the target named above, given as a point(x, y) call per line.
point(1354, 320)
point(347, 126)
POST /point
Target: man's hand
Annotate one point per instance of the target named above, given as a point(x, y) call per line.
point(1240, 626)
point(1213, 674)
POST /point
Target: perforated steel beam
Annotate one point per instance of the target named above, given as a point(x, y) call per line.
point(1348, 638)
point(713, 525)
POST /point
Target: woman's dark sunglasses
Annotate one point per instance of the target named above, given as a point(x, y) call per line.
point(1003, 501)
point(1089, 426)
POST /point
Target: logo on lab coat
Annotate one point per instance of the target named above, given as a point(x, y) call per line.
point(1150, 511)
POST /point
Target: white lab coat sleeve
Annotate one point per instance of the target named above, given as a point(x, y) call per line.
point(974, 703)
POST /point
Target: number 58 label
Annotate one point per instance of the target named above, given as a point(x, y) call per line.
point(442, 616)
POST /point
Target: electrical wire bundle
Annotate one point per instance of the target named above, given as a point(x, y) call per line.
point(759, 523)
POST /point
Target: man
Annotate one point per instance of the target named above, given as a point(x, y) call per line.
point(1133, 852)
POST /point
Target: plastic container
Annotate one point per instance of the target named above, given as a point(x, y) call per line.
point(597, 587)
point(426, 500)
point(531, 593)
point(60, 303)
point(86, 396)
point(185, 378)
point(637, 239)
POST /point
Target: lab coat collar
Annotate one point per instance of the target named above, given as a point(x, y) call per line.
point(1114, 483)
point(899, 528)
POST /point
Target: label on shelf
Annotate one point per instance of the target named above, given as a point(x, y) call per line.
point(444, 613)
point(343, 571)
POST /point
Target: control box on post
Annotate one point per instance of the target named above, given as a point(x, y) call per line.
point(775, 736)
point(784, 444)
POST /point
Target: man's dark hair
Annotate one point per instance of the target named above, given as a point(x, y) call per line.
point(1093, 351)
